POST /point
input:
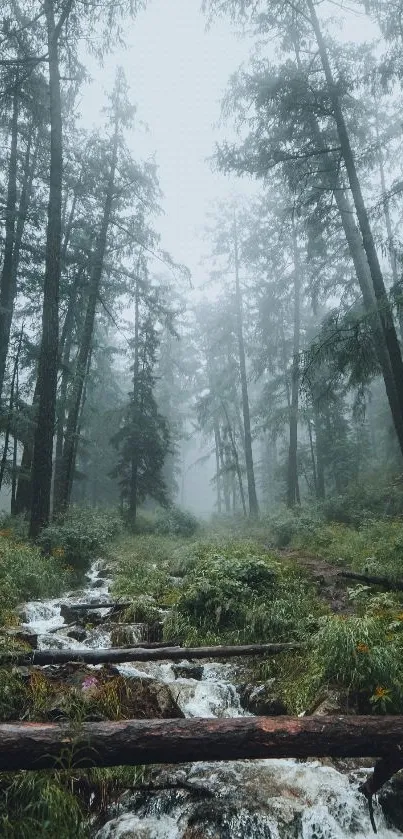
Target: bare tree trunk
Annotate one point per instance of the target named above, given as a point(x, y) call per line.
point(250, 474)
point(42, 461)
point(15, 447)
point(236, 458)
point(224, 472)
point(65, 344)
point(293, 496)
point(315, 478)
point(67, 466)
point(7, 291)
point(14, 380)
point(217, 469)
point(136, 370)
point(319, 453)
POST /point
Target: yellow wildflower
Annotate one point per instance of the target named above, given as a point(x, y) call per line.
point(381, 692)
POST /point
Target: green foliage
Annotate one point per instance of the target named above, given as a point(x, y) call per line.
point(361, 654)
point(79, 536)
point(143, 565)
point(39, 805)
point(237, 592)
point(173, 521)
point(376, 547)
point(376, 497)
point(25, 574)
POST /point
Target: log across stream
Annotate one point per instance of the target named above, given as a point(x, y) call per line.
point(128, 654)
point(136, 742)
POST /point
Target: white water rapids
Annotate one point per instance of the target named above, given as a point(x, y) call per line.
point(261, 799)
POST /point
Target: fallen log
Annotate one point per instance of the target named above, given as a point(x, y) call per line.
point(385, 582)
point(96, 604)
point(127, 654)
point(137, 742)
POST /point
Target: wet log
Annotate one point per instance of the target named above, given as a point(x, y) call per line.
point(127, 654)
point(76, 608)
point(370, 580)
point(137, 742)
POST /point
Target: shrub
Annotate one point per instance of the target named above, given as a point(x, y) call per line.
point(142, 566)
point(173, 521)
point(79, 536)
point(25, 574)
point(39, 805)
point(238, 592)
point(361, 654)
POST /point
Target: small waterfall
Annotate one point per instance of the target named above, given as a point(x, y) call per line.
point(260, 799)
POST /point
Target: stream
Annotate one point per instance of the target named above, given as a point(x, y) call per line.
point(260, 799)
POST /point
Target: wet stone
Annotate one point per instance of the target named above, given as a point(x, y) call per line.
point(391, 801)
point(261, 700)
point(188, 670)
point(78, 633)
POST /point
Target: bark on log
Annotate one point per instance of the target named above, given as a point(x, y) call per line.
point(136, 742)
point(385, 582)
point(119, 656)
point(97, 604)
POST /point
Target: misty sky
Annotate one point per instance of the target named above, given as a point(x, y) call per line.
point(177, 74)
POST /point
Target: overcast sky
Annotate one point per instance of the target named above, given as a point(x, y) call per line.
point(177, 74)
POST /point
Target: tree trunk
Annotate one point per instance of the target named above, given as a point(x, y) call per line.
point(42, 461)
point(14, 380)
point(314, 473)
point(136, 384)
point(66, 342)
point(7, 288)
point(217, 468)
point(250, 474)
point(236, 461)
point(67, 466)
point(394, 387)
point(137, 742)
point(292, 483)
point(25, 200)
point(127, 654)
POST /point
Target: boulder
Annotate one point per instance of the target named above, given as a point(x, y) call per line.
point(127, 634)
point(262, 699)
point(333, 701)
point(188, 670)
point(391, 800)
point(78, 633)
point(98, 583)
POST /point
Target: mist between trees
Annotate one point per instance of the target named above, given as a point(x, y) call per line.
point(113, 370)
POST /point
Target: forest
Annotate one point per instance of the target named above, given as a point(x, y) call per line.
point(201, 418)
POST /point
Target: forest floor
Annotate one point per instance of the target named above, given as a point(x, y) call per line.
point(331, 587)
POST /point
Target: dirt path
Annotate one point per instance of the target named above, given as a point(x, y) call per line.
point(331, 586)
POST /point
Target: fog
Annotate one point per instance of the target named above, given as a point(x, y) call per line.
point(222, 272)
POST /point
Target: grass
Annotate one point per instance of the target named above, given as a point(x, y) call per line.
point(26, 574)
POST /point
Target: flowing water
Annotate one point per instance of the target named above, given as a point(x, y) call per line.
point(261, 799)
